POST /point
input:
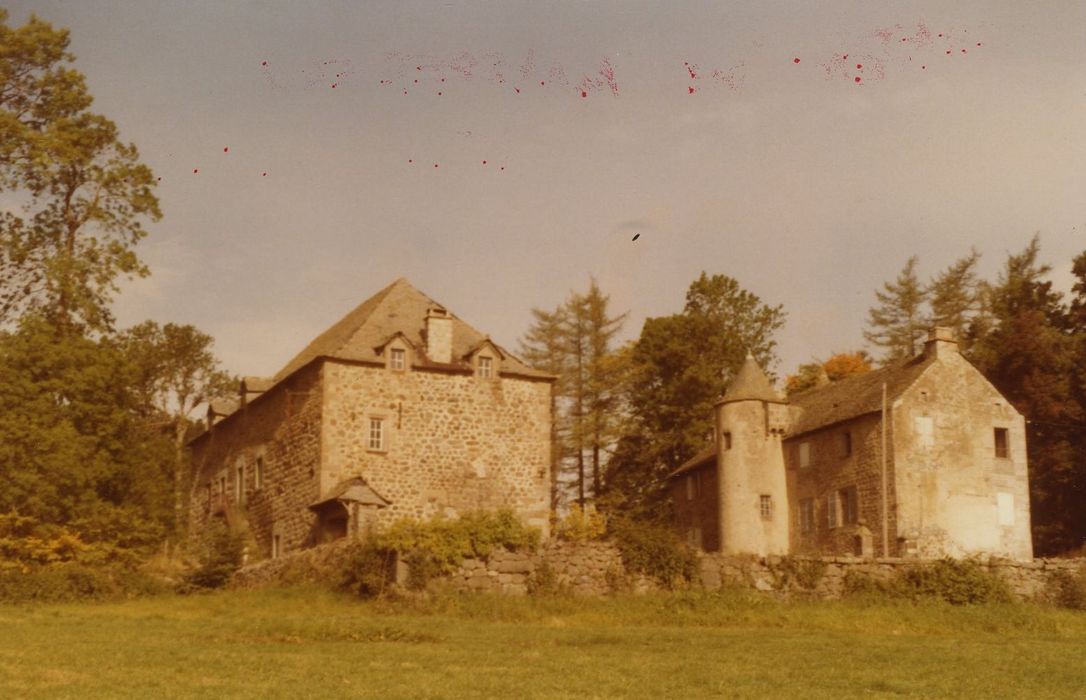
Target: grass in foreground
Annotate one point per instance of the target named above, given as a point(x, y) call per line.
point(302, 643)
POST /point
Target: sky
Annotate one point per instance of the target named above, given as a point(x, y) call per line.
point(499, 155)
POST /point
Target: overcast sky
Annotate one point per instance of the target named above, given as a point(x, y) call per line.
point(497, 154)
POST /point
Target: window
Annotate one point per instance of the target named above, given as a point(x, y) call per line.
point(727, 440)
point(377, 434)
point(925, 432)
point(806, 515)
point(804, 454)
point(691, 486)
point(844, 443)
point(222, 487)
point(277, 549)
point(207, 488)
point(693, 537)
point(1002, 448)
point(397, 359)
point(832, 518)
point(239, 485)
point(258, 474)
point(848, 505)
point(765, 506)
point(1005, 505)
point(486, 367)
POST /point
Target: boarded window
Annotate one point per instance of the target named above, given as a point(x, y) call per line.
point(1002, 446)
point(925, 431)
point(806, 515)
point(804, 454)
point(1005, 503)
point(765, 506)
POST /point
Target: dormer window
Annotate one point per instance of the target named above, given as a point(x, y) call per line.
point(397, 359)
point(486, 367)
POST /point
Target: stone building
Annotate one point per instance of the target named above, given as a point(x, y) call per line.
point(399, 409)
point(923, 458)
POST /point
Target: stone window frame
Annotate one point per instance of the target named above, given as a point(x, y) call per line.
point(765, 506)
point(398, 355)
point(727, 439)
point(846, 506)
point(239, 482)
point(489, 352)
point(258, 472)
point(381, 420)
point(484, 366)
point(832, 511)
point(1001, 448)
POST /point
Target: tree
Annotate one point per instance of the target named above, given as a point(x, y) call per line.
point(680, 365)
point(574, 343)
point(543, 347)
point(954, 297)
point(175, 373)
point(897, 323)
point(1030, 355)
point(837, 367)
point(84, 195)
point(73, 449)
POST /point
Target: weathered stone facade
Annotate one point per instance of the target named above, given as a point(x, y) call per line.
point(399, 410)
point(953, 472)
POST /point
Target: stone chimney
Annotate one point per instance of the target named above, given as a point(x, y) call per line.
point(941, 342)
point(439, 332)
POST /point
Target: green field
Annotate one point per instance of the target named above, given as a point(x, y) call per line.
point(308, 643)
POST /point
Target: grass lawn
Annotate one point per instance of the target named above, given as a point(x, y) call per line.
point(303, 643)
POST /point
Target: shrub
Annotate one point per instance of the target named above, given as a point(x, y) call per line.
point(959, 582)
point(367, 570)
point(581, 524)
point(1067, 590)
point(654, 550)
point(543, 581)
point(804, 573)
point(72, 581)
point(219, 551)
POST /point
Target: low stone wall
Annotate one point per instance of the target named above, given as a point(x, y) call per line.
point(825, 577)
point(595, 568)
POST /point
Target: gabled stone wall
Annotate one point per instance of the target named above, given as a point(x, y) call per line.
point(455, 442)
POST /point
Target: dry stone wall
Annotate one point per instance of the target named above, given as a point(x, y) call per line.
point(595, 568)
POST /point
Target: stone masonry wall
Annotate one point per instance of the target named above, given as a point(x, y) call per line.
point(454, 442)
point(595, 568)
point(282, 429)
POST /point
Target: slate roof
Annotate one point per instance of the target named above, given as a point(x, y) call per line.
point(398, 308)
point(257, 384)
point(824, 405)
point(750, 383)
point(354, 490)
point(854, 396)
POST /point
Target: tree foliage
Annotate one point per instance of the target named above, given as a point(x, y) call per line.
point(84, 194)
point(680, 365)
point(835, 368)
point(575, 343)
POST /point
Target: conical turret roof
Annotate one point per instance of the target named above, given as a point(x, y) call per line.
point(750, 384)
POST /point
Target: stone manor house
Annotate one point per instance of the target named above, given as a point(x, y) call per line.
point(923, 458)
point(399, 409)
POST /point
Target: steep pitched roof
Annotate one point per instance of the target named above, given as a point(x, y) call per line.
point(750, 383)
point(852, 397)
point(398, 308)
point(700, 459)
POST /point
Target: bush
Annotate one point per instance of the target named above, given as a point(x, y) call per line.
point(959, 582)
point(654, 550)
point(1067, 590)
point(219, 551)
point(367, 570)
point(72, 581)
point(581, 524)
point(804, 573)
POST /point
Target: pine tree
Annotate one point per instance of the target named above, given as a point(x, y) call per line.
point(544, 348)
point(954, 297)
point(897, 323)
